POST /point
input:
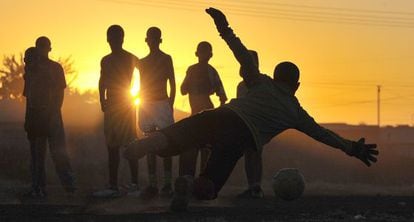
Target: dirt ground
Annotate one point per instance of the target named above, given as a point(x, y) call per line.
point(81, 207)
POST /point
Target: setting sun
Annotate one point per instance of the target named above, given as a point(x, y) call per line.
point(134, 91)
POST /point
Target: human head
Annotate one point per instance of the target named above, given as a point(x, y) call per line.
point(204, 51)
point(255, 58)
point(153, 38)
point(31, 56)
point(288, 73)
point(43, 46)
point(115, 37)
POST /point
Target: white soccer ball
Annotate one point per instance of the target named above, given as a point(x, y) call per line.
point(288, 184)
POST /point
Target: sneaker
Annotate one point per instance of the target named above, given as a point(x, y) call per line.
point(70, 189)
point(107, 193)
point(252, 193)
point(182, 194)
point(149, 193)
point(132, 190)
point(166, 191)
point(68, 180)
point(35, 194)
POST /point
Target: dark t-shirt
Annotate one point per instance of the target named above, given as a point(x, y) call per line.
point(58, 84)
point(155, 69)
point(116, 75)
point(44, 85)
point(44, 81)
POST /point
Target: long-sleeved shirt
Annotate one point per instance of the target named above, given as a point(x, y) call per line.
point(271, 107)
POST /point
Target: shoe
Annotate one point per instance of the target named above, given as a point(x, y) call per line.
point(68, 180)
point(149, 193)
point(107, 193)
point(252, 193)
point(35, 194)
point(132, 190)
point(182, 194)
point(166, 191)
point(70, 188)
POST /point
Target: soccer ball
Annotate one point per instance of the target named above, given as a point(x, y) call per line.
point(288, 184)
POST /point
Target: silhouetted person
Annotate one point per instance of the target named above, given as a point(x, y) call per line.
point(44, 89)
point(269, 108)
point(252, 157)
point(119, 111)
point(156, 108)
point(201, 81)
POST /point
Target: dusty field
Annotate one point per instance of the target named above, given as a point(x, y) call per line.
point(227, 208)
point(384, 192)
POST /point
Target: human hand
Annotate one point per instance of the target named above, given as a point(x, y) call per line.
point(219, 18)
point(367, 153)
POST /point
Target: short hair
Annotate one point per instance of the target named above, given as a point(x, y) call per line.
point(154, 33)
point(43, 42)
point(115, 32)
point(30, 54)
point(204, 46)
point(286, 72)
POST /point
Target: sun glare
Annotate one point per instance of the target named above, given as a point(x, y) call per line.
point(134, 91)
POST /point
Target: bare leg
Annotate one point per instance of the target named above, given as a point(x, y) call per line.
point(133, 167)
point(253, 167)
point(113, 164)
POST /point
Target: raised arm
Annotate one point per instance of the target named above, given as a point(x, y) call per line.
point(364, 152)
point(239, 50)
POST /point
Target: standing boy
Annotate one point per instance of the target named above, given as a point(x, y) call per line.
point(201, 81)
point(119, 112)
point(44, 89)
point(252, 157)
point(156, 108)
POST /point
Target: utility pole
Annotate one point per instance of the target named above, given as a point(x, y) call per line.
point(378, 105)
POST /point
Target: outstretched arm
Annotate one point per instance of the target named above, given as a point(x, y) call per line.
point(358, 149)
point(239, 50)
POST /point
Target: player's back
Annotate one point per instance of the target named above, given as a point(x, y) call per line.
point(268, 108)
point(154, 72)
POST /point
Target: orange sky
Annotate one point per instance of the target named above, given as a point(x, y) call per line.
point(343, 48)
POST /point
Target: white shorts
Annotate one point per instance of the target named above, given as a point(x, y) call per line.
point(155, 115)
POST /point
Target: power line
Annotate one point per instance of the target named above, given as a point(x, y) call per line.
point(272, 7)
point(271, 13)
point(327, 8)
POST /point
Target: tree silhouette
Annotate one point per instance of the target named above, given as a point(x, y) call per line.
point(11, 75)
